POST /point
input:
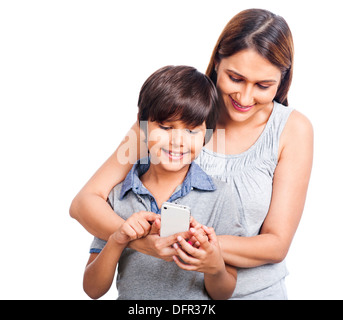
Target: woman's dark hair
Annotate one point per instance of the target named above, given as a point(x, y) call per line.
point(266, 33)
point(179, 93)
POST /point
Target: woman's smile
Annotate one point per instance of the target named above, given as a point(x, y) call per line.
point(239, 107)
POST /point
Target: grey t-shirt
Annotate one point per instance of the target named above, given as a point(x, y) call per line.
point(250, 176)
point(142, 277)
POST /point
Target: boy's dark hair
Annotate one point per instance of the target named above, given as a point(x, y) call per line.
point(179, 93)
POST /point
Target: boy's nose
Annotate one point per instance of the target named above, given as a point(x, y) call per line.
point(177, 137)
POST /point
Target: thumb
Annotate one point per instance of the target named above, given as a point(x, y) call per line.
point(156, 226)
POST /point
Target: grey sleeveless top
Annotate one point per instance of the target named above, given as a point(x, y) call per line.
point(250, 175)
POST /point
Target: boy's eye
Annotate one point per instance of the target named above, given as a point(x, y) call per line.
point(192, 131)
point(164, 127)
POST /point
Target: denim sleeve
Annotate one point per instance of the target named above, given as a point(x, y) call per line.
point(97, 245)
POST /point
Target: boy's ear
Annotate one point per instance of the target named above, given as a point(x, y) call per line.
point(143, 126)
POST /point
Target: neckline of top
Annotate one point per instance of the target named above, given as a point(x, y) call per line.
point(252, 147)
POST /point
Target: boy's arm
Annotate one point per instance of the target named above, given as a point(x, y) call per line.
point(220, 286)
point(100, 270)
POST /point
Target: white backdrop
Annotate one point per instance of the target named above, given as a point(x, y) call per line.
point(70, 74)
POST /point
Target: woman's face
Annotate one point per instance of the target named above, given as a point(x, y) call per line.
point(247, 83)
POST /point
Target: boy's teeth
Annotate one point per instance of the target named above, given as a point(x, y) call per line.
point(175, 154)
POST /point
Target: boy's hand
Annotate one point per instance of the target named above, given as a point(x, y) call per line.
point(156, 246)
point(197, 226)
point(136, 226)
point(207, 258)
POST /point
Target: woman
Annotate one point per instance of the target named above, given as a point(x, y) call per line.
point(260, 145)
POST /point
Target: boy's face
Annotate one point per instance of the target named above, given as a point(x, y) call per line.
point(174, 145)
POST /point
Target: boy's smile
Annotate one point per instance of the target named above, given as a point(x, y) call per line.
point(173, 155)
point(173, 145)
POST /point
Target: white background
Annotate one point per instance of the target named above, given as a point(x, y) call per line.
point(70, 74)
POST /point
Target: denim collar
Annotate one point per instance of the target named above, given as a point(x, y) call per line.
point(196, 178)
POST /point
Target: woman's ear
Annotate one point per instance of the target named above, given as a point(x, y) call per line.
point(216, 64)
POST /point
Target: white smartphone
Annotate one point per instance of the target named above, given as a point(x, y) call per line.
point(175, 218)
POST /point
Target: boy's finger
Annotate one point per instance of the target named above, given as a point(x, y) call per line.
point(194, 224)
point(149, 216)
point(188, 248)
point(201, 237)
point(169, 241)
point(156, 226)
point(128, 231)
point(210, 234)
point(146, 226)
point(138, 228)
point(183, 265)
point(189, 259)
point(196, 244)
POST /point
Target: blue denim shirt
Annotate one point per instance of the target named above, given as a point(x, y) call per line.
point(196, 178)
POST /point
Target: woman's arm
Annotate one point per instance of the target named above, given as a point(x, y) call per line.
point(89, 207)
point(291, 179)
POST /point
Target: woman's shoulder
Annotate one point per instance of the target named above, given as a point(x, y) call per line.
point(298, 131)
point(297, 124)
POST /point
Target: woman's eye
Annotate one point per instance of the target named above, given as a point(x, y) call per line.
point(235, 79)
point(262, 87)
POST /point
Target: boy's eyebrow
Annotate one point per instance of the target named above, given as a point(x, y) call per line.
point(239, 75)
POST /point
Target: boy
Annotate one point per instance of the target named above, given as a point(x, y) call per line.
point(179, 104)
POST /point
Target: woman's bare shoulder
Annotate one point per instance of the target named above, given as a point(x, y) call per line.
point(298, 132)
point(299, 121)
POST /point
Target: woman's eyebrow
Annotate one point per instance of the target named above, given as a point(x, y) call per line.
point(240, 75)
point(236, 73)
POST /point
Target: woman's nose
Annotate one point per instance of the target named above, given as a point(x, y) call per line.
point(245, 96)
